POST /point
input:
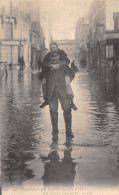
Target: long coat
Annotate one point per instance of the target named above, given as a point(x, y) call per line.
point(56, 78)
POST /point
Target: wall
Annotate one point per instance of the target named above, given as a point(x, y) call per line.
point(2, 30)
point(111, 7)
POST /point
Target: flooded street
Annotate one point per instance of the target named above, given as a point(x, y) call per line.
point(31, 155)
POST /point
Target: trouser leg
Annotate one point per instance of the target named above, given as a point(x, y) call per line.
point(70, 92)
point(54, 121)
point(44, 88)
point(65, 104)
point(68, 122)
point(68, 86)
point(53, 106)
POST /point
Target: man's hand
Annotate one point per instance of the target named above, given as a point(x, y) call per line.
point(63, 63)
point(54, 66)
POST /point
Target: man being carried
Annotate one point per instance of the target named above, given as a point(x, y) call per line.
point(54, 74)
point(58, 57)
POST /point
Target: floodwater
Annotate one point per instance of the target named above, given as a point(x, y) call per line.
point(32, 156)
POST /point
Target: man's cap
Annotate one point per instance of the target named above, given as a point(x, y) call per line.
point(53, 43)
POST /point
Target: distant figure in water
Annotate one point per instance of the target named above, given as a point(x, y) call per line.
point(83, 62)
point(73, 66)
point(21, 62)
point(115, 68)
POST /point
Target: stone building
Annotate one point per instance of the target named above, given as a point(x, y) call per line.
point(17, 36)
point(14, 33)
point(103, 37)
point(81, 34)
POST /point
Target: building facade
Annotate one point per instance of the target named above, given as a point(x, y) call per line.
point(103, 36)
point(21, 32)
point(81, 36)
point(14, 36)
point(45, 22)
point(97, 36)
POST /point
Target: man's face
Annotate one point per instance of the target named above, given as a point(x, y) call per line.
point(55, 57)
point(53, 47)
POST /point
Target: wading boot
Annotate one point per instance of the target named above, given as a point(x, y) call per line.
point(68, 121)
point(54, 121)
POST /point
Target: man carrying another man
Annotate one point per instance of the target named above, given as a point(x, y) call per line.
point(57, 76)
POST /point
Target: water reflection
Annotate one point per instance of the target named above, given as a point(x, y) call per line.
point(59, 171)
point(26, 132)
point(17, 140)
point(17, 114)
point(15, 169)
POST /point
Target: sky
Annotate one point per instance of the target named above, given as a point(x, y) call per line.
point(64, 15)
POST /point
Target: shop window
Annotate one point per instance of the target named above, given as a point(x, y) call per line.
point(109, 51)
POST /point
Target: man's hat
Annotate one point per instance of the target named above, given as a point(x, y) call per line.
point(53, 43)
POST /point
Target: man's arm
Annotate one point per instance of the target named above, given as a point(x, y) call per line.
point(64, 63)
point(45, 65)
point(64, 60)
point(46, 62)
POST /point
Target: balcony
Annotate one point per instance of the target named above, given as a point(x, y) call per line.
point(112, 35)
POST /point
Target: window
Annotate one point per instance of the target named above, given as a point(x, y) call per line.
point(15, 11)
point(116, 21)
point(109, 51)
point(8, 30)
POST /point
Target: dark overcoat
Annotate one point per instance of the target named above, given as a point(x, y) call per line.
point(56, 78)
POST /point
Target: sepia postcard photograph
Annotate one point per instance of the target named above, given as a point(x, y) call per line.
point(59, 97)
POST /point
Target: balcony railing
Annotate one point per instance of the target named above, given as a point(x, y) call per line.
point(110, 36)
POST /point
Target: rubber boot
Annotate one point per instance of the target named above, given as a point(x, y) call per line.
point(54, 141)
point(68, 121)
point(54, 121)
